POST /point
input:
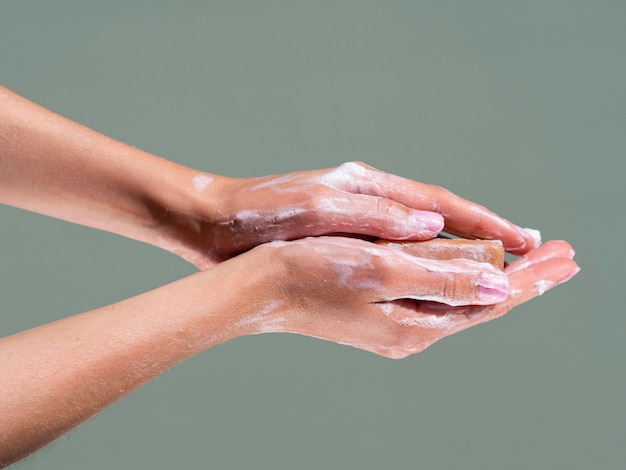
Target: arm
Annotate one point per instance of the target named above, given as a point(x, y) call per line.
point(349, 291)
point(54, 166)
point(55, 376)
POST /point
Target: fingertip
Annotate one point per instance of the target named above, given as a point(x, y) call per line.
point(533, 237)
point(556, 271)
point(543, 276)
point(558, 248)
point(555, 268)
point(516, 244)
point(572, 273)
point(527, 240)
point(425, 224)
point(548, 250)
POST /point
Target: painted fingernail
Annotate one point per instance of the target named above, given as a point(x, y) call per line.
point(520, 242)
point(571, 255)
point(425, 222)
point(492, 287)
point(535, 235)
point(570, 275)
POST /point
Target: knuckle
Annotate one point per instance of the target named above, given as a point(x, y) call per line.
point(356, 168)
point(451, 285)
point(316, 208)
point(311, 205)
point(354, 164)
point(351, 168)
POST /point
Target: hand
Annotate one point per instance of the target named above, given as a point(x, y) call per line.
point(57, 167)
point(381, 300)
point(353, 199)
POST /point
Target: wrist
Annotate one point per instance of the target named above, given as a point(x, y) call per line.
point(184, 205)
point(237, 297)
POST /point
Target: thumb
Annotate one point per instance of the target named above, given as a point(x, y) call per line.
point(455, 282)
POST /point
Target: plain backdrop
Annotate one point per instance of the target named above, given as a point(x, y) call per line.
point(519, 106)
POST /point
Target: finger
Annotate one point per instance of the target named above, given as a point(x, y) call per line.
point(333, 212)
point(398, 275)
point(454, 282)
point(375, 216)
point(444, 320)
point(463, 218)
point(550, 249)
point(536, 279)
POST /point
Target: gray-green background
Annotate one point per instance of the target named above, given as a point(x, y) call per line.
point(518, 105)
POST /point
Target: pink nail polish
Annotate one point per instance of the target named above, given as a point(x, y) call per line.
point(493, 288)
point(489, 295)
point(425, 223)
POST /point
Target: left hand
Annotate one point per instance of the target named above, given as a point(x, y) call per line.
point(352, 199)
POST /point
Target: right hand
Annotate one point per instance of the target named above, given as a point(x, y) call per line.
point(382, 300)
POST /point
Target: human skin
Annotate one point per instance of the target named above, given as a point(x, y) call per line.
point(55, 376)
point(345, 290)
point(54, 166)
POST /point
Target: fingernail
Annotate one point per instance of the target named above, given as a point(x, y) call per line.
point(425, 222)
point(492, 287)
point(571, 255)
point(534, 234)
point(521, 241)
point(570, 275)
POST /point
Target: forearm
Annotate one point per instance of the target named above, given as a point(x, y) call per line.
point(57, 375)
point(51, 165)
point(341, 289)
point(54, 166)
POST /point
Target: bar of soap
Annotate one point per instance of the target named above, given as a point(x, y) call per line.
point(483, 251)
